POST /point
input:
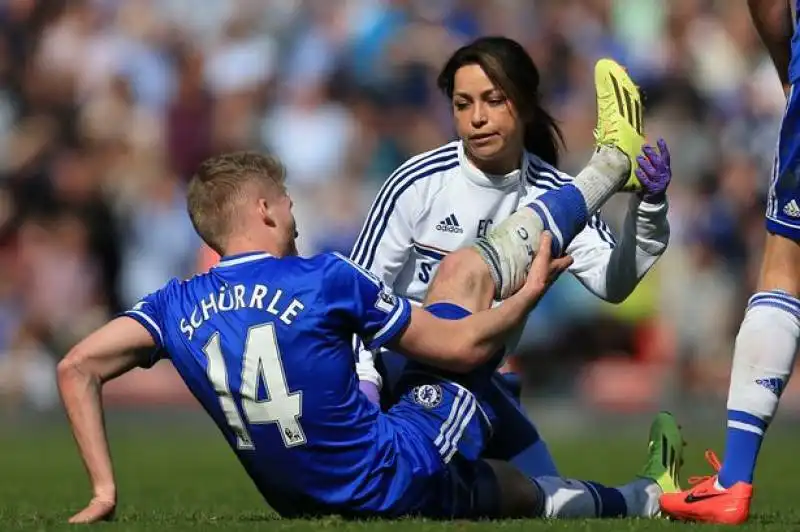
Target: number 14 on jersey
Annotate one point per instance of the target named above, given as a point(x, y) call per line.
point(261, 360)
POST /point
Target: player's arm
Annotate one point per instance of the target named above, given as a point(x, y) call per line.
point(773, 22)
point(612, 267)
point(383, 247)
point(356, 301)
point(463, 345)
point(112, 350)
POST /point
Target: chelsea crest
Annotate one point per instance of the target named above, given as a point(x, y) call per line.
point(427, 395)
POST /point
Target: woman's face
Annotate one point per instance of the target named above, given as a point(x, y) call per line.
point(486, 121)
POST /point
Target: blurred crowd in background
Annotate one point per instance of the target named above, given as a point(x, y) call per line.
point(107, 106)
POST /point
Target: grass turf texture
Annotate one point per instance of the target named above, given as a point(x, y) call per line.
point(185, 478)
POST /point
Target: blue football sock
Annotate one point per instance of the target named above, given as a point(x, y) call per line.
point(742, 443)
point(563, 213)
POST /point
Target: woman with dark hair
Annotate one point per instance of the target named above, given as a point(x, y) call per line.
point(504, 158)
point(514, 78)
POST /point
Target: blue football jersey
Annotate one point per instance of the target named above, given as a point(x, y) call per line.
point(264, 344)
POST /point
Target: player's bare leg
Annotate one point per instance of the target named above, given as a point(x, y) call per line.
point(768, 339)
point(780, 268)
point(462, 278)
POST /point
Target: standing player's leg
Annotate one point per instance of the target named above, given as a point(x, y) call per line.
point(766, 345)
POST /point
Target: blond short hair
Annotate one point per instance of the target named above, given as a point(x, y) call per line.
point(219, 186)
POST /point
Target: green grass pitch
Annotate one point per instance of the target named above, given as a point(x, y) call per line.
point(184, 478)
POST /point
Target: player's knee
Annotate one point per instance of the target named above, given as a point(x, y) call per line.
point(460, 266)
point(463, 278)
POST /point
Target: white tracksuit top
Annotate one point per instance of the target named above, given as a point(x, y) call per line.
point(438, 201)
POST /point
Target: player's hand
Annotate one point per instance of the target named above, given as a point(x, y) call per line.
point(654, 172)
point(544, 270)
point(100, 508)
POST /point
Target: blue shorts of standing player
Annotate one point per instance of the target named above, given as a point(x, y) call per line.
point(783, 202)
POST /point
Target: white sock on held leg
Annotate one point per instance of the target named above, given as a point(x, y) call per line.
point(607, 171)
point(641, 497)
point(565, 498)
point(509, 249)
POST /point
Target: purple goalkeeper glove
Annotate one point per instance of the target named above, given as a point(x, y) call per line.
point(371, 391)
point(654, 172)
